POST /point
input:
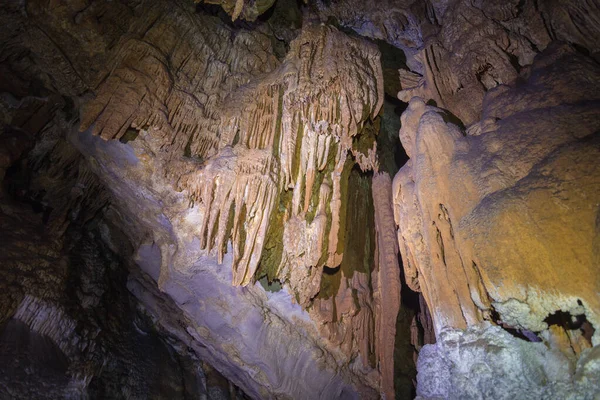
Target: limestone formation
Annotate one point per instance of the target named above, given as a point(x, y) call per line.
point(290, 199)
point(487, 362)
point(156, 80)
point(248, 10)
point(226, 144)
point(473, 207)
point(476, 46)
point(311, 109)
point(477, 184)
point(387, 281)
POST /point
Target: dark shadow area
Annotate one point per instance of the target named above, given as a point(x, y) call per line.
point(357, 232)
point(414, 329)
point(448, 116)
point(408, 297)
point(270, 286)
point(453, 119)
point(400, 156)
point(567, 321)
point(331, 271)
point(30, 361)
point(130, 135)
point(392, 155)
point(392, 59)
point(17, 185)
point(522, 334)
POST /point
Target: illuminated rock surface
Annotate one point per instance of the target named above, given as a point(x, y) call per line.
point(511, 242)
point(487, 362)
point(280, 199)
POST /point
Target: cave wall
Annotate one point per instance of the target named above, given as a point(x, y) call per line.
point(69, 326)
point(497, 206)
point(238, 161)
point(201, 136)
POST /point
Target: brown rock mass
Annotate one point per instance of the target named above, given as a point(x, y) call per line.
point(494, 212)
point(387, 280)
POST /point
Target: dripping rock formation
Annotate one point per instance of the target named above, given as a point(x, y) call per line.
point(278, 199)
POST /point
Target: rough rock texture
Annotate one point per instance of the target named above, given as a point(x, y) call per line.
point(69, 328)
point(457, 50)
point(246, 9)
point(185, 191)
point(223, 164)
point(482, 44)
point(478, 206)
point(405, 24)
point(497, 220)
point(485, 362)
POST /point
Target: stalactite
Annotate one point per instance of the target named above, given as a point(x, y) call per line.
point(387, 292)
point(304, 116)
point(238, 185)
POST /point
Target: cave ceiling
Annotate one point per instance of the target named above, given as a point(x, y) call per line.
point(297, 199)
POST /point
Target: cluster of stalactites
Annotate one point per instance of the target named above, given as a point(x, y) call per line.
point(172, 73)
point(198, 97)
point(305, 114)
point(237, 191)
